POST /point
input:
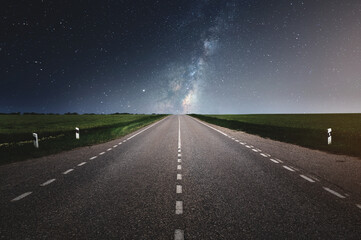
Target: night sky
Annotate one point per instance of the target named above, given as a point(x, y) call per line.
point(180, 56)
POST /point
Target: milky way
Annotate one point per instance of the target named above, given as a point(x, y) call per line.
point(260, 56)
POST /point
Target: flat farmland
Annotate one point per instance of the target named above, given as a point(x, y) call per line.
point(57, 132)
point(308, 130)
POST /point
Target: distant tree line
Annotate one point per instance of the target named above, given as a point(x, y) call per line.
point(68, 113)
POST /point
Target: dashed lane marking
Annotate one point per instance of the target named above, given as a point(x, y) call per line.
point(179, 160)
point(288, 168)
point(178, 207)
point(179, 167)
point(115, 146)
point(47, 182)
point(81, 164)
point(273, 160)
point(101, 153)
point(21, 196)
point(93, 158)
point(179, 155)
point(109, 149)
point(334, 192)
point(179, 176)
point(179, 234)
point(263, 155)
point(179, 189)
point(68, 171)
point(254, 150)
point(307, 178)
point(358, 205)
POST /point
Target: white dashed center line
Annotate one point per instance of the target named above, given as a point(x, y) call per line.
point(179, 167)
point(47, 182)
point(334, 192)
point(93, 158)
point(307, 178)
point(179, 234)
point(81, 164)
point(21, 196)
point(68, 171)
point(178, 207)
point(179, 160)
point(242, 143)
point(179, 155)
point(109, 149)
point(358, 205)
point(254, 150)
point(263, 155)
point(247, 146)
point(115, 146)
point(179, 176)
point(179, 189)
point(288, 168)
point(101, 153)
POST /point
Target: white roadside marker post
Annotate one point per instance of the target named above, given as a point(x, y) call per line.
point(36, 140)
point(77, 133)
point(329, 138)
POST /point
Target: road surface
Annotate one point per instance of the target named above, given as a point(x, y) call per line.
point(176, 179)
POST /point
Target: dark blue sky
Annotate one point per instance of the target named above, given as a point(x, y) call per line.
point(180, 56)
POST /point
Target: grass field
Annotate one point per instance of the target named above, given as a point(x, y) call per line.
point(308, 130)
point(57, 132)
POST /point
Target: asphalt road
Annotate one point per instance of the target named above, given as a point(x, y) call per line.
point(176, 179)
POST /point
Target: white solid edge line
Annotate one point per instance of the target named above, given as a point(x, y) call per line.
point(101, 153)
point(81, 164)
point(178, 207)
point(68, 171)
point(179, 189)
point(144, 129)
point(273, 160)
point(21, 196)
point(334, 192)
point(47, 182)
point(307, 178)
point(93, 158)
point(179, 176)
point(179, 234)
point(211, 127)
point(179, 167)
point(288, 168)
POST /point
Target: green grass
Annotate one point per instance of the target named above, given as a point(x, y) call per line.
point(57, 132)
point(308, 130)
